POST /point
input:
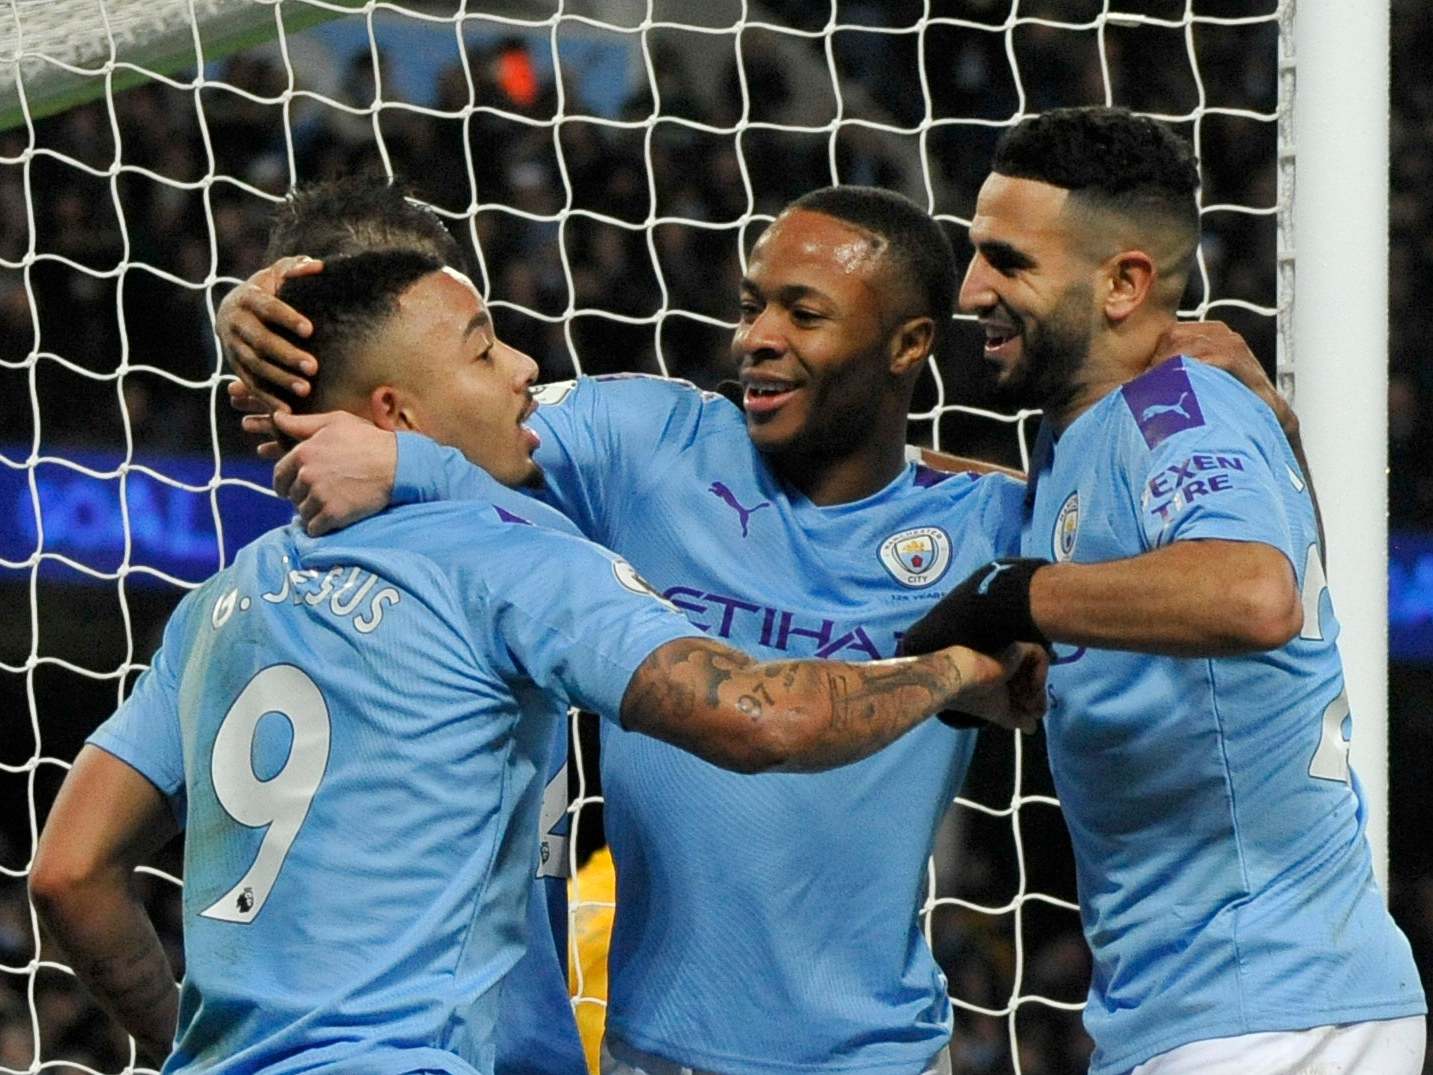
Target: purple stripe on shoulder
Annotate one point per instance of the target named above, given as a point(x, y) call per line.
point(1163, 402)
point(928, 476)
point(508, 517)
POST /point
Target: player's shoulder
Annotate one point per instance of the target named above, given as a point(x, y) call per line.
point(935, 478)
point(213, 599)
point(442, 530)
point(1185, 398)
point(1001, 502)
point(1000, 494)
point(644, 396)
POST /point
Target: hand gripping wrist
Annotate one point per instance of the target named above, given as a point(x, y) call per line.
point(986, 612)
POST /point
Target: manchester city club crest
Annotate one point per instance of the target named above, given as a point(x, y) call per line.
point(1067, 527)
point(917, 557)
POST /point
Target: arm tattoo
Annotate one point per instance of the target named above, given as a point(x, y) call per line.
point(116, 954)
point(727, 708)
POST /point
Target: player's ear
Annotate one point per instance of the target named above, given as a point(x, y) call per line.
point(388, 410)
point(910, 344)
point(1126, 280)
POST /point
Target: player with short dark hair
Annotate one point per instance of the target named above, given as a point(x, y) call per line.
point(798, 527)
point(795, 523)
point(1197, 726)
point(537, 1034)
point(354, 730)
point(919, 249)
point(356, 215)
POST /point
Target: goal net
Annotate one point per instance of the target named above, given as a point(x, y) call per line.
point(608, 163)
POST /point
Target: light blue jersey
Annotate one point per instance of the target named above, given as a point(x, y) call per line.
point(1225, 881)
point(537, 1033)
point(356, 731)
point(765, 924)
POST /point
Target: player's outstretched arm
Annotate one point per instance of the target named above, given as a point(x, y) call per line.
point(261, 357)
point(741, 714)
point(106, 820)
point(1197, 598)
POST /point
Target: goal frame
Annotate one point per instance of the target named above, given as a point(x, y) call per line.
point(1334, 152)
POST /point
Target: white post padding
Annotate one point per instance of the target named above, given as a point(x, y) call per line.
point(1341, 346)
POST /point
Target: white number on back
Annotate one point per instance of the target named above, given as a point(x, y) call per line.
point(282, 802)
point(1330, 760)
point(1314, 587)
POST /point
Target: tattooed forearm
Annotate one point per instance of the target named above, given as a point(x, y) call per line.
point(116, 954)
point(878, 693)
point(727, 708)
point(134, 985)
point(671, 680)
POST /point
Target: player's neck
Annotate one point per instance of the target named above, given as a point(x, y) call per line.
point(1113, 360)
point(827, 480)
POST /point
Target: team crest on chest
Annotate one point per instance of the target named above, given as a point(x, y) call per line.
point(917, 557)
point(1067, 527)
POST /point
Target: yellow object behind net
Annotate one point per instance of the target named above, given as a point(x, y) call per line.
point(587, 954)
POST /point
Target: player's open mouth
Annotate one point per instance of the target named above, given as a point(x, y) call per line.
point(766, 397)
point(529, 435)
point(1001, 340)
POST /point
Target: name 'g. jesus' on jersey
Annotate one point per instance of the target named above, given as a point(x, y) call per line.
point(764, 923)
point(355, 730)
point(1225, 881)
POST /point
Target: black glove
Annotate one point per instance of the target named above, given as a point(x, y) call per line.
point(986, 612)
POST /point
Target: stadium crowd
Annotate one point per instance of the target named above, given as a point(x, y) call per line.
point(547, 281)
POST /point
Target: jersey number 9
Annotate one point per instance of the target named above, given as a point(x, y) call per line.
point(280, 803)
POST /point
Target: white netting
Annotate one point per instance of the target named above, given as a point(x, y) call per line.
point(607, 163)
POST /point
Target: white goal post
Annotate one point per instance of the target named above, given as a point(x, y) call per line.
point(1339, 249)
point(1322, 285)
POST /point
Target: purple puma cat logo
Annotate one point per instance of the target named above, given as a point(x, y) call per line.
point(1154, 410)
point(726, 496)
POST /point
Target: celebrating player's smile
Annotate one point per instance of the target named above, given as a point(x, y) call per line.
point(355, 730)
point(1225, 882)
point(799, 527)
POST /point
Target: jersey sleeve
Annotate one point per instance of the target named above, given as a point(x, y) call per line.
point(428, 471)
point(144, 731)
point(1211, 469)
point(602, 437)
point(573, 618)
point(605, 437)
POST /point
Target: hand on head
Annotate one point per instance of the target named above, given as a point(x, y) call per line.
point(262, 358)
point(340, 471)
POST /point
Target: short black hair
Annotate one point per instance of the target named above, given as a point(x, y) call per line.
point(356, 214)
point(1117, 160)
point(347, 303)
point(913, 238)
